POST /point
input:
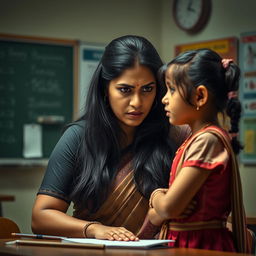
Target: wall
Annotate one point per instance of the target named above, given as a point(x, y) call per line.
point(100, 21)
point(229, 18)
point(88, 20)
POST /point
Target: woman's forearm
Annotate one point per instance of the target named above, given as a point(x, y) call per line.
point(49, 217)
point(55, 222)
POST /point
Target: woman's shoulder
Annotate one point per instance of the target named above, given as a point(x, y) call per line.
point(75, 128)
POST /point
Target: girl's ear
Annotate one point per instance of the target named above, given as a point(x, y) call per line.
point(201, 96)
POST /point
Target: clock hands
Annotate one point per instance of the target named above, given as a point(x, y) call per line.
point(189, 8)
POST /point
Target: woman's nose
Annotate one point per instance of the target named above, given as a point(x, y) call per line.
point(136, 100)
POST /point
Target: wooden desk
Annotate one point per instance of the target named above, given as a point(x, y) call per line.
point(23, 250)
point(4, 198)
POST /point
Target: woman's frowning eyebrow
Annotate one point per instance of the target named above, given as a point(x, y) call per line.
point(132, 86)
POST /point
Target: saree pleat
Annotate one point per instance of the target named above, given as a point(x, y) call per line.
point(125, 206)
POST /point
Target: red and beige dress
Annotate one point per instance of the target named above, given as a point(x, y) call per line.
point(206, 227)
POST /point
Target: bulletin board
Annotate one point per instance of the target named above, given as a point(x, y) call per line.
point(89, 55)
point(38, 80)
point(247, 56)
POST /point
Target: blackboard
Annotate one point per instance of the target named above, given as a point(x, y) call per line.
point(37, 79)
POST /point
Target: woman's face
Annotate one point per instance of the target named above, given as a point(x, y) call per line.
point(131, 96)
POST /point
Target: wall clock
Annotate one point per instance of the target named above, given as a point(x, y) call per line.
point(191, 15)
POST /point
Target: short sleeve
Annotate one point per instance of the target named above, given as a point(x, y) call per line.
point(208, 152)
point(58, 179)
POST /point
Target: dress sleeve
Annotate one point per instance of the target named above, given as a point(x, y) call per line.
point(58, 179)
point(208, 152)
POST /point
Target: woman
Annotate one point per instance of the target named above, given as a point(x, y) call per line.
point(111, 159)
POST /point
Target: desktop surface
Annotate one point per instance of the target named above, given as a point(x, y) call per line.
point(29, 250)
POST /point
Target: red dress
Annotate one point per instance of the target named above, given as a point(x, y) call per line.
point(213, 198)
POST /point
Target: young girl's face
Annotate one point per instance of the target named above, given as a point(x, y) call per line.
point(178, 111)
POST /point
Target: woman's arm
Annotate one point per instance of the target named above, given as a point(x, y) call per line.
point(49, 217)
point(49, 212)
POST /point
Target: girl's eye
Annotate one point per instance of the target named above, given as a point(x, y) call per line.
point(147, 88)
point(124, 89)
point(172, 90)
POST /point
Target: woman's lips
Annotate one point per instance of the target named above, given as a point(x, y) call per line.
point(135, 115)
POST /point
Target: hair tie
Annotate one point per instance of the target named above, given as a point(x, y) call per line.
point(232, 94)
point(233, 135)
point(226, 62)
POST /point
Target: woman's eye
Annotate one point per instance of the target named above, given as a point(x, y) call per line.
point(124, 89)
point(147, 89)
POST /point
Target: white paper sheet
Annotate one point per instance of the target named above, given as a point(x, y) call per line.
point(144, 243)
point(32, 140)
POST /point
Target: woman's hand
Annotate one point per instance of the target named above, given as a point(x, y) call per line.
point(99, 231)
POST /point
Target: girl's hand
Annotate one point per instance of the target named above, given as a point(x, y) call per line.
point(188, 211)
point(99, 231)
point(154, 218)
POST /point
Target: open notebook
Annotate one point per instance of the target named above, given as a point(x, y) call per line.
point(92, 243)
point(143, 244)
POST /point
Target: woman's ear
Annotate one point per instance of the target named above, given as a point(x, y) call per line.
point(201, 96)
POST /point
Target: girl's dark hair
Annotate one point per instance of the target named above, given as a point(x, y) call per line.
point(100, 153)
point(204, 66)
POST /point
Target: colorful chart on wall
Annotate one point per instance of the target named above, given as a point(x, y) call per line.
point(225, 47)
point(247, 57)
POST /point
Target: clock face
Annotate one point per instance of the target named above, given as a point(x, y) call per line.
point(191, 15)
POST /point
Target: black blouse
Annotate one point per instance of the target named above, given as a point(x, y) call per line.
point(58, 179)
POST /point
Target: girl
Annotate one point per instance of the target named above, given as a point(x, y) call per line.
point(199, 86)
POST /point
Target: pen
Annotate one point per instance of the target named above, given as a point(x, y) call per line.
point(37, 236)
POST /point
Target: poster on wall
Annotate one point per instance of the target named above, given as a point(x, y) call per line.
point(90, 56)
point(247, 56)
point(225, 47)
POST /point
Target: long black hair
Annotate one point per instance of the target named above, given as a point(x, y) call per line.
point(204, 66)
point(100, 152)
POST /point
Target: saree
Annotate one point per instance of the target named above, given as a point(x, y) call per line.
point(213, 225)
point(124, 206)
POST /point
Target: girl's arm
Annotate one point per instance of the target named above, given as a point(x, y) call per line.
point(49, 217)
point(179, 195)
point(190, 179)
point(155, 218)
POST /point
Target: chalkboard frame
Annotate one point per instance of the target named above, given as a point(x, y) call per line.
point(47, 41)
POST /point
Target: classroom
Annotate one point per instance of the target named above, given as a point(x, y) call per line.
point(96, 22)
